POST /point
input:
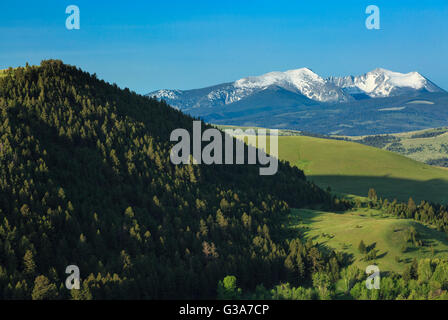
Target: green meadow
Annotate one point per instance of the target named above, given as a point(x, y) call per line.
point(381, 232)
point(352, 168)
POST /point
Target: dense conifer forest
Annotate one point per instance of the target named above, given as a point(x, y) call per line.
point(86, 179)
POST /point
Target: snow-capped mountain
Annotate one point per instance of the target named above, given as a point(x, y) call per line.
point(380, 101)
point(302, 82)
point(305, 85)
point(381, 83)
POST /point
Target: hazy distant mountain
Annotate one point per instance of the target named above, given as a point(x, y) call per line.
point(380, 101)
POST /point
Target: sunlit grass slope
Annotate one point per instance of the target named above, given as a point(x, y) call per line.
point(344, 231)
point(354, 168)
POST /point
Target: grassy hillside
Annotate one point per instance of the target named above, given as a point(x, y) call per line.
point(429, 146)
point(353, 168)
point(378, 231)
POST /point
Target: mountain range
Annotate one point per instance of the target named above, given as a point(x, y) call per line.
point(301, 99)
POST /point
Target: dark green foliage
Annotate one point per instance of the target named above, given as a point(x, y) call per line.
point(426, 279)
point(371, 255)
point(362, 247)
point(426, 212)
point(372, 194)
point(411, 207)
point(85, 179)
point(228, 290)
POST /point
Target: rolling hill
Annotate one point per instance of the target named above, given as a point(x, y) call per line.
point(353, 168)
point(387, 234)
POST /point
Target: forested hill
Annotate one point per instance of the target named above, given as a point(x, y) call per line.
point(86, 179)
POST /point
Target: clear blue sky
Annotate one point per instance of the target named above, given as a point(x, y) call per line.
point(148, 45)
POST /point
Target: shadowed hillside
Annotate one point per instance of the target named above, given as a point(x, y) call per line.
point(85, 179)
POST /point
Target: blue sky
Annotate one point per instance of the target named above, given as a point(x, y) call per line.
point(149, 45)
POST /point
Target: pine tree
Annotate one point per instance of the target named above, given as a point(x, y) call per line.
point(29, 264)
point(411, 206)
point(362, 247)
point(372, 194)
point(43, 289)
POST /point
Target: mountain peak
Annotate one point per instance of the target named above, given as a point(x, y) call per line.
point(300, 71)
point(289, 77)
point(305, 83)
point(379, 70)
point(381, 82)
point(394, 74)
point(302, 80)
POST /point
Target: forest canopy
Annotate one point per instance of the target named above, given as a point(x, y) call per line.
point(85, 179)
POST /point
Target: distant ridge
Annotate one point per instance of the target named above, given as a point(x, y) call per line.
point(373, 103)
point(374, 84)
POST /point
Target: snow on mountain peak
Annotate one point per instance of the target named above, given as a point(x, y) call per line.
point(412, 79)
point(290, 77)
point(382, 82)
point(301, 80)
point(377, 83)
point(166, 94)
